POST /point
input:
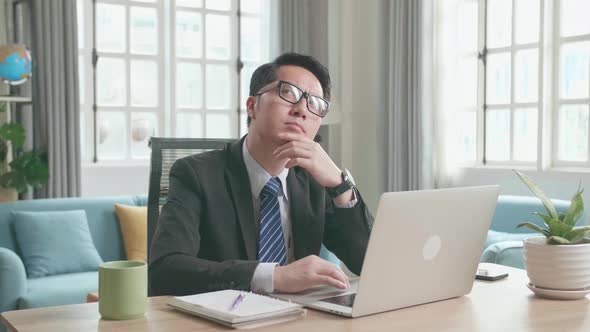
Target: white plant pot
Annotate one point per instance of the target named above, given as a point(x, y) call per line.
point(560, 267)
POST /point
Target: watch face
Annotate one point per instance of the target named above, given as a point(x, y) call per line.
point(347, 176)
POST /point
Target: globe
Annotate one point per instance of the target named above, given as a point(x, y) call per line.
point(15, 64)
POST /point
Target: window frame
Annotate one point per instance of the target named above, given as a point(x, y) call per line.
point(483, 107)
point(166, 110)
point(557, 101)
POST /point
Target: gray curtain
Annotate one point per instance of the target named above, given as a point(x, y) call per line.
point(54, 48)
point(304, 27)
point(404, 135)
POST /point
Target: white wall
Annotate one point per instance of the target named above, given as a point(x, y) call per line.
point(114, 180)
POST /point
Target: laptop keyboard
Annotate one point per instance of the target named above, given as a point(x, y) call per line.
point(343, 300)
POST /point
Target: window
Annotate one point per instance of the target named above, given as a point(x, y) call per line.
point(512, 64)
point(572, 60)
point(522, 82)
point(165, 68)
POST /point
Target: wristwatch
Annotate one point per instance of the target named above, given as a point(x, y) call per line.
point(347, 184)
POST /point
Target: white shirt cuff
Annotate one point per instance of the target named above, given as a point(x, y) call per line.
point(350, 204)
point(262, 281)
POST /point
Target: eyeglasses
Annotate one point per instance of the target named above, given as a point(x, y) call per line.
point(293, 94)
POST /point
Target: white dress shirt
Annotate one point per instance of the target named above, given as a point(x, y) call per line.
point(262, 281)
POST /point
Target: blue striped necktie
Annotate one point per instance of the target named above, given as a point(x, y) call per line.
point(271, 246)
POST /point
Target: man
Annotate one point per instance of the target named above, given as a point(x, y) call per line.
point(254, 215)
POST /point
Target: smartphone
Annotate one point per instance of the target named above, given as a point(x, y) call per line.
point(490, 272)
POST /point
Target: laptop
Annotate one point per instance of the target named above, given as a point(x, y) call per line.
point(424, 247)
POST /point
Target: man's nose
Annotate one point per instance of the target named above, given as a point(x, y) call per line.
point(300, 108)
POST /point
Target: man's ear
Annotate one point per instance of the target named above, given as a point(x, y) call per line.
point(250, 106)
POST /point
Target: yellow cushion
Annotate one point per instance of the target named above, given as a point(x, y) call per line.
point(133, 222)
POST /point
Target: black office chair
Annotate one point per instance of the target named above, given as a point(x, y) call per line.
point(165, 151)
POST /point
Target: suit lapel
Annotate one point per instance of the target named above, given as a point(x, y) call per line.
point(239, 184)
point(298, 187)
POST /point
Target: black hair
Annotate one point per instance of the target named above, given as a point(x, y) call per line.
point(267, 73)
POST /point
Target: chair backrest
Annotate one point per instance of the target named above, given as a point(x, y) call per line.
point(165, 151)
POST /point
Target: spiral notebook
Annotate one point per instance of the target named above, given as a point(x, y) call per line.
point(254, 311)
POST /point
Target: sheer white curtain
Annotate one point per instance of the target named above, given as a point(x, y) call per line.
point(455, 86)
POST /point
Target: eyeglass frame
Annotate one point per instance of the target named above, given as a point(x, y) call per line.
point(304, 94)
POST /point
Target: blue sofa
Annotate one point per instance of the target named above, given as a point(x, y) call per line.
point(504, 242)
point(18, 292)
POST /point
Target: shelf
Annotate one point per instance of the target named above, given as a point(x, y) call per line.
point(16, 99)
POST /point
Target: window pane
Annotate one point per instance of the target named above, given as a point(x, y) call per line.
point(190, 3)
point(81, 78)
point(526, 21)
point(110, 28)
point(218, 36)
point(189, 125)
point(573, 133)
point(143, 126)
point(467, 78)
point(525, 134)
point(498, 79)
point(218, 87)
point(526, 75)
point(112, 135)
point(189, 85)
point(110, 82)
point(574, 17)
point(218, 126)
point(144, 83)
point(188, 34)
point(144, 30)
point(497, 135)
point(246, 75)
point(251, 39)
point(499, 23)
point(466, 130)
point(82, 134)
point(218, 4)
point(574, 68)
point(80, 20)
point(468, 26)
point(250, 6)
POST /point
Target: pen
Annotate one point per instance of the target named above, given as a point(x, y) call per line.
point(238, 300)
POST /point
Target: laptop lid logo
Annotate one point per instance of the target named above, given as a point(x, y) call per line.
point(431, 247)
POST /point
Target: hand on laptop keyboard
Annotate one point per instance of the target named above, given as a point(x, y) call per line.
point(308, 272)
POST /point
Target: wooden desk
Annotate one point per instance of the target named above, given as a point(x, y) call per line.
point(505, 305)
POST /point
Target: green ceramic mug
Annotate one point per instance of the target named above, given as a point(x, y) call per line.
point(122, 289)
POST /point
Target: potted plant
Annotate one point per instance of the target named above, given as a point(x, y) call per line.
point(27, 168)
point(558, 263)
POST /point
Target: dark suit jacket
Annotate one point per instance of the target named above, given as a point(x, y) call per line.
point(207, 235)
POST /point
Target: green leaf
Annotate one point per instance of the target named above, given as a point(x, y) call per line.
point(27, 169)
point(575, 210)
point(577, 234)
point(545, 217)
point(534, 227)
point(558, 228)
point(539, 193)
point(13, 132)
point(557, 240)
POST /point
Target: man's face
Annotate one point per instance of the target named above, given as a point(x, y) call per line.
point(272, 115)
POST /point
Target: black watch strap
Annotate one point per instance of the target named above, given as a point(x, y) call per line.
point(343, 187)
